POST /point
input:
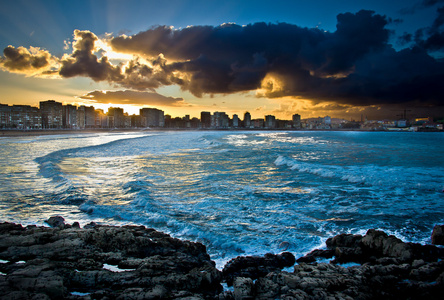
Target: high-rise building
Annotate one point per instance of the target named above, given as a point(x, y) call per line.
point(81, 116)
point(152, 117)
point(115, 117)
point(20, 117)
point(235, 121)
point(270, 121)
point(90, 117)
point(247, 120)
point(101, 120)
point(219, 120)
point(5, 112)
point(297, 121)
point(52, 114)
point(69, 118)
point(205, 119)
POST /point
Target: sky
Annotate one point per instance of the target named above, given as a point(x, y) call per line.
point(346, 59)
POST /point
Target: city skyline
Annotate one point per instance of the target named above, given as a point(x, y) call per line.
point(54, 115)
point(345, 59)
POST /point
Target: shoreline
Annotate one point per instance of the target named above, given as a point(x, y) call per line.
point(135, 262)
point(40, 132)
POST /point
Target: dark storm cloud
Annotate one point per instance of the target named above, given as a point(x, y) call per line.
point(420, 5)
point(430, 38)
point(353, 65)
point(83, 61)
point(133, 97)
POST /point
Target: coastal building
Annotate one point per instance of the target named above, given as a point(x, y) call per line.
point(152, 117)
point(205, 119)
point(219, 120)
point(297, 121)
point(69, 118)
point(257, 123)
point(90, 117)
point(115, 117)
point(100, 119)
point(235, 121)
point(52, 114)
point(247, 120)
point(270, 122)
point(4, 115)
point(24, 117)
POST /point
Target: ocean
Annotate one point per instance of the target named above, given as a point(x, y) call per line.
point(237, 192)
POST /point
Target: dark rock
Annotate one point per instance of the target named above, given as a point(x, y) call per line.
point(344, 241)
point(243, 288)
point(56, 221)
point(315, 254)
point(256, 266)
point(62, 260)
point(438, 235)
point(53, 263)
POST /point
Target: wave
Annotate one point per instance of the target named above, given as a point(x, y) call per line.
point(371, 175)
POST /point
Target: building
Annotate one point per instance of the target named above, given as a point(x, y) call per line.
point(5, 112)
point(152, 117)
point(270, 122)
point(235, 121)
point(327, 120)
point(100, 119)
point(219, 120)
point(90, 117)
point(81, 117)
point(52, 114)
point(297, 121)
point(115, 117)
point(247, 120)
point(20, 117)
point(205, 119)
point(69, 118)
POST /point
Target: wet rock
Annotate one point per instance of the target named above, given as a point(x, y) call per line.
point(243, 288)
point(316, 254)
point(56, 221)
point(256, 266)
point(134, 262)
point(60, 260)
point(344, 241)
point(438, 235)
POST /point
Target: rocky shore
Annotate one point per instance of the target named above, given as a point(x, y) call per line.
point(64, 261)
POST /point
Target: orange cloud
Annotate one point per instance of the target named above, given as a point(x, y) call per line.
point(133, 97)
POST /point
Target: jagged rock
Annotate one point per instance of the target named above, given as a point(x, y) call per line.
point(64, 259)
point(313, 255)
point(256, 266)
point(438, 235)
point(344, 240)
point(379, 243)
point(56, 221)
point(243, 288)
point(68, 262)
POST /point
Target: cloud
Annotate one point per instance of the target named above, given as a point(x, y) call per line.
point(354, 65)
point(232, 58)
point(420, 5)
point(83, 61)
point(34, 61)
point(429, 38)
point(132, 97)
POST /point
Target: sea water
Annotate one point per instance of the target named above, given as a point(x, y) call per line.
point(239, 193)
